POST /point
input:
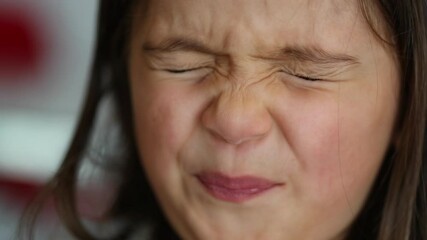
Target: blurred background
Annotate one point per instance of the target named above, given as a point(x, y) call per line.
point(45, 52)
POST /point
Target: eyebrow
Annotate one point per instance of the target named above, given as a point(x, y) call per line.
point(311, 53)
point(315, 54)
point(179, 44)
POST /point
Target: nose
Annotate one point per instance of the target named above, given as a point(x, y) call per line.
point(236, 118)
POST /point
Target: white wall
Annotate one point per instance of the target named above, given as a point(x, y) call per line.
point(38, 113)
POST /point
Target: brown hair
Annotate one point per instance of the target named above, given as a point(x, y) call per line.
point(396, 206)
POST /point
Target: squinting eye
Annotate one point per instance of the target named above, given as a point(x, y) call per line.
point(307, 78)
point(183, 70)
point(302, 76)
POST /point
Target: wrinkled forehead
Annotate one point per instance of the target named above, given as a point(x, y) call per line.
point(226, 24)
point(224, 11)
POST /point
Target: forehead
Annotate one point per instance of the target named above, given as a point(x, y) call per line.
point(228, 24)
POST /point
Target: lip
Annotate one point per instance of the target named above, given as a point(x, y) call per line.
point(235, 189)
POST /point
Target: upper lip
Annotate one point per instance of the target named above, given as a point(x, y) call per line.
point(235, 183)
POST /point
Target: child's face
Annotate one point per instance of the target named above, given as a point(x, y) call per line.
point(237, 139)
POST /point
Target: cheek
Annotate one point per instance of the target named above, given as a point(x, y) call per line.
point(338, 145)
point(165, 119)
point(157, 127)
point(315, 143)
point(365, 135)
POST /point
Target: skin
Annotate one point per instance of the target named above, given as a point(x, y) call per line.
point(242, 108)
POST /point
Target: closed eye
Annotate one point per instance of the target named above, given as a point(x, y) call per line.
point(300, 76)
point(307, 78)
point(182, 70)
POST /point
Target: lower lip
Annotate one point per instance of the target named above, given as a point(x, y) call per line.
point(235, 194)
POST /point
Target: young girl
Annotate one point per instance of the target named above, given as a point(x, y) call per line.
point(276, 119)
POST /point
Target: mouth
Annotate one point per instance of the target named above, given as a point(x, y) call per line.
point(235, 189)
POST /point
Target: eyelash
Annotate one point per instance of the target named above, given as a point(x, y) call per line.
point(186, 70)
point(307, 78)
point(302, 76)
point(181, 71)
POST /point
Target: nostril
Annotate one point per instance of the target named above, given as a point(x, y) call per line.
point(233, 141)
point(237, 141)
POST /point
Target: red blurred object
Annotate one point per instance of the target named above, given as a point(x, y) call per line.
point(21, 47)
point(19, 189)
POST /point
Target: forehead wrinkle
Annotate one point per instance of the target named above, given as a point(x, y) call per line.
point(203, 25)
point(231, 31)
point(168, 18)
point(224, 30)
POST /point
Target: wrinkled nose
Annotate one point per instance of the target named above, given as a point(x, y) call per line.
point(236, 118)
